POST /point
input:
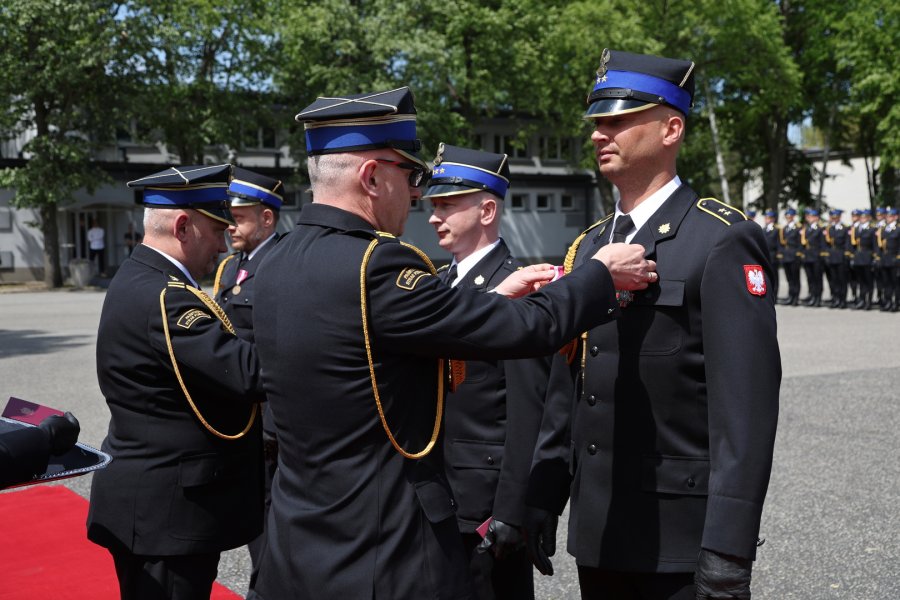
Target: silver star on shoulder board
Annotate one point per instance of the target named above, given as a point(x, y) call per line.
point(479, 280)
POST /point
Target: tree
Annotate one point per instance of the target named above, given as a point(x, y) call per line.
point(59, 91)
point(200, 72)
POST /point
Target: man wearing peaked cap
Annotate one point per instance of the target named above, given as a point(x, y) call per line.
point(773, 242)
point(185, 482)
point(813, 242)
point(792, 257)
point(361, 507)
point(254, 201)
point(495, 414)
point(837, 240)
point(889, 248)
point(672, 421)
point(863, 244)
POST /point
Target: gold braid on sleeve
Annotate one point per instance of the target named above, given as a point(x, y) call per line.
point(363, 296)
point(226, 324)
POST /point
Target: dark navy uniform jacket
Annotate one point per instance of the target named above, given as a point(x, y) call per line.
point(350, 516)
point(239, 306)
point(865, 245)
point(890, 245)
point(837, 242)
point(813, 243)
point(773, 241)
point(492, 420)
point(674, 417)
point(173, 487)
point(791, 242)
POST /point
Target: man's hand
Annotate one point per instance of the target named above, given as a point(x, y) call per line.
point(721, 577)
point(62, 431)
point(526, 280)
point(501, 539)
point(627, 265)
point(540, 537)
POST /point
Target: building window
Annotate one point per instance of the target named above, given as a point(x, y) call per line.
point(567, 203)
point(556, 148)
point(518, 202)
point(543, 202)
point(508, 144)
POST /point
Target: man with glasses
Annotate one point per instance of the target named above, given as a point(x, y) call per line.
point(353, 328)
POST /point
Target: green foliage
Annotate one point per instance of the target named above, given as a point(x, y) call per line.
point(200, 71)
point(57, 90)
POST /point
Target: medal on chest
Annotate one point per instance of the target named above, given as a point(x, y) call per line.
point(241, 276)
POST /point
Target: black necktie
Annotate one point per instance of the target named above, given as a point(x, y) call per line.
point(451, 275)
point(622, 228)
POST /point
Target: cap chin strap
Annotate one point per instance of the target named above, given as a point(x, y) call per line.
point(441, 363)
point(220, 314)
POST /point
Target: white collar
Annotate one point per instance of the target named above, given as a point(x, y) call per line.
point(265, 241)
point(180, 266)
point(641, 213)
point(466, 264)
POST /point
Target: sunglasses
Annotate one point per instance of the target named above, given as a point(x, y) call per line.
point(418, 174)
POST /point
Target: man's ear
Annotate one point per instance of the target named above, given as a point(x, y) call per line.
point(268, 217)
point(674, 131)
point(488, 210)
point(180, 225)
point(367, 179)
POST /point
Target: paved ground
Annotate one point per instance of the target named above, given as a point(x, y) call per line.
point(831, 518)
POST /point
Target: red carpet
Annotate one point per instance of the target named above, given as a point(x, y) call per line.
point(50, 558)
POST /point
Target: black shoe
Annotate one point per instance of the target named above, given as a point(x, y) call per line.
point(784, 301)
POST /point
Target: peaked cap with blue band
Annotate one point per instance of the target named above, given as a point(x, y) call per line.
point(362, 122)
point(629, 82)
point(200, 187)
point(249, 189)
point(463, 171)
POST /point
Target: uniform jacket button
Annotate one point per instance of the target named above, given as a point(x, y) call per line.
point(490, 460)
point(690, 482)
point(592, 449)
point(595, 350)
point(592, 399)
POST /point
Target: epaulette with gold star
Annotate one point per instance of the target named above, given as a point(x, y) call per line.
point(725, 213)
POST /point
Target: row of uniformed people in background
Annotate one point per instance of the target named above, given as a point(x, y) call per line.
point(381, 468)
point(860, 260)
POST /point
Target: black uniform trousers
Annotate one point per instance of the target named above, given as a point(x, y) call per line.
point(185, 577)
point(511, 578)
point(599, 584)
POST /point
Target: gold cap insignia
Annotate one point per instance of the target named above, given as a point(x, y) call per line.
point(664, 228)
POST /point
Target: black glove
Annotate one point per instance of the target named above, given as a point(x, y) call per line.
point(501, 539)
point(62, 431)
point(721, 577)
point(540, 537)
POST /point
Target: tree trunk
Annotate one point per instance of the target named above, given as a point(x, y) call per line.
point(776, 135)
point(50, 229)
point(717, 147)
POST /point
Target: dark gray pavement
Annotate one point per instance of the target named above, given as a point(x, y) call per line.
point(832, 517)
